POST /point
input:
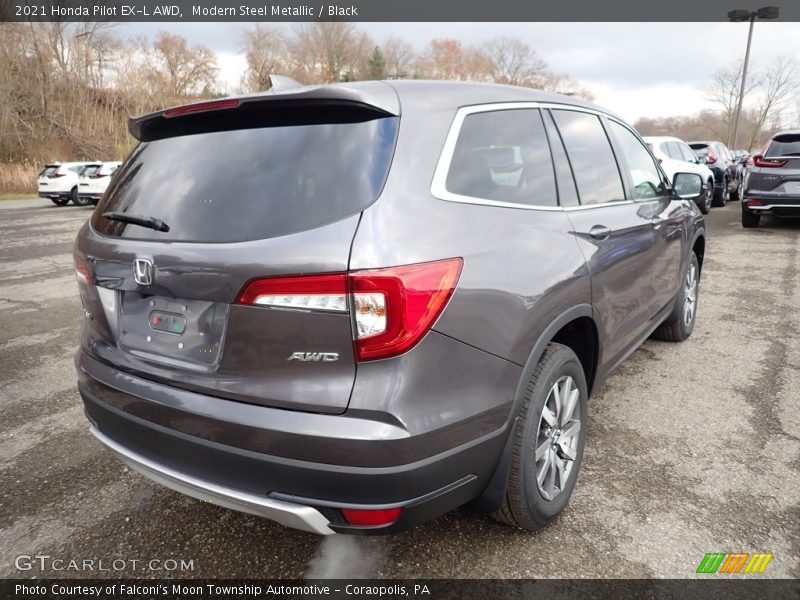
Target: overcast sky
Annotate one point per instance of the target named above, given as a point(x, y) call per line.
point(633, 69)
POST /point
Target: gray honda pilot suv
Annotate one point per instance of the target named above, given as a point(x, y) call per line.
point(353, 308)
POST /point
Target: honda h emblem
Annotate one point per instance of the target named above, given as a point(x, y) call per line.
point(143, 271)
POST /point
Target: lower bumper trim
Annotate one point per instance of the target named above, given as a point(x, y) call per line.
point(288, 514)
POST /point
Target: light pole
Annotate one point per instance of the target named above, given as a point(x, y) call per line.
point(767, 12)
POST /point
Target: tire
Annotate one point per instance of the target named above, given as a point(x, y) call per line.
point(736, 194)
point(529, 503)
point(750, 220)
point(721, 195)
point(707, 199)
point(59, 201)
point(680, 324)
point(76, 199)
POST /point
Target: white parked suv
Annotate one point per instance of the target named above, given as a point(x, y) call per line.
point(676, 156)
point(94, 180)
point(59, 182)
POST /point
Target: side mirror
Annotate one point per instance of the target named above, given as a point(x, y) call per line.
point(687, 186)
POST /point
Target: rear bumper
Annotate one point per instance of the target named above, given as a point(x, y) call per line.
point(54, 194)
point(296, 516)
point(301, 460)
point(784, 206)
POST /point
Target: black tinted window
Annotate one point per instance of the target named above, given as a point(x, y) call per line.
point(787, 144)
point(701, 150)
point(645, 176)
point(567, 194)
point(247, 184)
point(503, 156)
point(590, 154)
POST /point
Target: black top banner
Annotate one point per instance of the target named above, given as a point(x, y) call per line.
point(388, 10)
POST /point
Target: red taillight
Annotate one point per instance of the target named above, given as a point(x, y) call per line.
point(55, 175)
point(200, 107)
point(760, 161)
point(82, 271)
point(711, 158)
point(393, 308)
point(358, 516)
point(753, 202)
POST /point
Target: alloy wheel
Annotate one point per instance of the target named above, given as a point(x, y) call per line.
point(557, 442)
point(690, 295)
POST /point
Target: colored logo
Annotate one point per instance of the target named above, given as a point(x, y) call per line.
point(734, 562)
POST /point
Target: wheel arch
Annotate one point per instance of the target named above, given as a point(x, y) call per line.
point(575, 328)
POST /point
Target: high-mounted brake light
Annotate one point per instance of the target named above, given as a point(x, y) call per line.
point(760, 161)
point(393, 308)
point(200, 107)
point(358, 516)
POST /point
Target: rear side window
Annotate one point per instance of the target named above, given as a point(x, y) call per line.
point(687, 153)
point(787, 144)
point(503, 156)
point(250, 184)
point(674, 151)
point(589, 151)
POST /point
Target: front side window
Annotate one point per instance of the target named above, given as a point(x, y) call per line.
point(503, 156)
point(646, 178)
point(596, 173)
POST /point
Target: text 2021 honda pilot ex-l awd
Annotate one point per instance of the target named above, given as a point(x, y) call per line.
point(353, 308)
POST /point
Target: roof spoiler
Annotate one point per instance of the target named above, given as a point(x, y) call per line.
point(286, 102)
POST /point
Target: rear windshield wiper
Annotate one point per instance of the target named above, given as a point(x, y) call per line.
point(149, 222)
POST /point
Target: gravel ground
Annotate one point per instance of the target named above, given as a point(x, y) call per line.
point(691, 448)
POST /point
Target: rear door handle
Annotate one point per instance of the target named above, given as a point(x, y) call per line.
point(599, 232)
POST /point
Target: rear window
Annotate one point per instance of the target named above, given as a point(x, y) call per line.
point(48, 171)
point(249, 184)
point(784, 145)
point(90, 170)
point(701, 150)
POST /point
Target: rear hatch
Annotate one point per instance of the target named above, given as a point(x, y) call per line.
point(266, 189)
point(45, 175)
point(777, 170)
point(86, 176)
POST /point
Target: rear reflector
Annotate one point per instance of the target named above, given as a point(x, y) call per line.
point(760, 161)
point(393, 308)
point(357, 516)
point(753, 202)
point(200, 107)
point(312, 292)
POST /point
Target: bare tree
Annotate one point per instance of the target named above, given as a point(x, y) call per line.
point(449, 59)
point(514, 62)
point(177, 69)
point(398, 56)
point(780, 83)
point(329, 51)
point(265, 51)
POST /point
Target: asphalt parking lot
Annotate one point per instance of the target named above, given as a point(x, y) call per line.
point(691, 448)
